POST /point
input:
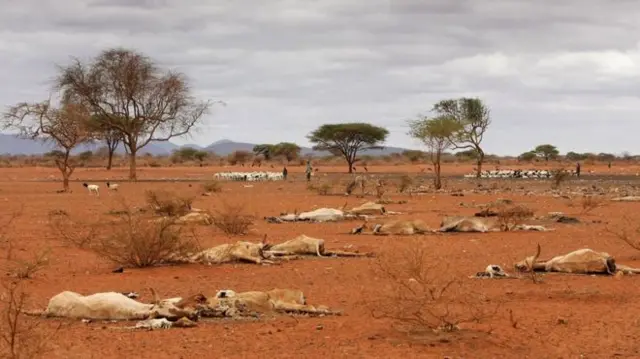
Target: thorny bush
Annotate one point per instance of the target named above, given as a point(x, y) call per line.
point(418, 295)
point(166, 203)
point(232, 219)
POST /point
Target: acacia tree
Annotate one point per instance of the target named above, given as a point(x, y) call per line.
point(65, 127)
point(347, 139)
point(434, 134)
point(472, 116)
point(265, 150)
point(546, 151)
point(290, 151)
point(134, 97)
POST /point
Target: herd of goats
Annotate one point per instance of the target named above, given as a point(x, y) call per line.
point(518, 173)
point(498, 173)
point(373, 218)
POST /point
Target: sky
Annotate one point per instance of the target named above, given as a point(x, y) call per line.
point(560, 72)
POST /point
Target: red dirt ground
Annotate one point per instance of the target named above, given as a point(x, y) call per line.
point(598, 313)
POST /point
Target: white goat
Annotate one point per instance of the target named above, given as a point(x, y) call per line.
point(93, 188)
point(113, 186)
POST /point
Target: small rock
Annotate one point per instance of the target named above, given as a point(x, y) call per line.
point(562, 321)
point(319, 327)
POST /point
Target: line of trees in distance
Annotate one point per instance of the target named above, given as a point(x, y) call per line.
point(121, 96)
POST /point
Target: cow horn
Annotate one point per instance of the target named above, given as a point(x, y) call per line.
point(535, 257)
point(156, 299)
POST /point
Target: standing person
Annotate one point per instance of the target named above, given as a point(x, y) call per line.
point(285, 172)
point(308, 171)
point(578, 169)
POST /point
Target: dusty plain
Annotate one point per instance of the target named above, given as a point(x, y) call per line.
point(565, 316)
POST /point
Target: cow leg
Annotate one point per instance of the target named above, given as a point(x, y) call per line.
point(337, 253)
point(293, 308)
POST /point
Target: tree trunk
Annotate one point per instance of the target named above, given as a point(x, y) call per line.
point(437, 182)
point(479, 163)
point(132, 166)
point(65, 180)
point(350, 166)
point(110, 160)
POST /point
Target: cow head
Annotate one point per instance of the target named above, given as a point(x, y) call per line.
point(527, 264)
point(175, 309)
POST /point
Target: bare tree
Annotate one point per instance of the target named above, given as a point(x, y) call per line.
point(135, 97)
point(107, 133)
point(473, 117)
point(65, 127)
point(435, 134)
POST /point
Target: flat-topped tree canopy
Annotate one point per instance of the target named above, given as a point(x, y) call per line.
point(347, 139)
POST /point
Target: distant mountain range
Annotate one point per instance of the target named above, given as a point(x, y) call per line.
point(10, 144)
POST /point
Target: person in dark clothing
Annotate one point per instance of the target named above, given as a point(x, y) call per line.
point(308, 171)
point(578, 169)
point(284, 173)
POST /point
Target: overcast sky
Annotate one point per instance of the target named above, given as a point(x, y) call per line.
point(561, 72)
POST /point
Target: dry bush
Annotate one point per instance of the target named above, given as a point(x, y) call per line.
point(405, 183)
point(233, 220)
point(134, 241)
point(167, 203)
point(510, 216)
point(380, 188)
point(20, 336)
point(589, 203)
point(559, 175)
point(25, 269)
point(419, 295)
point(324, 189)
point(212, 186)
point(628, 233)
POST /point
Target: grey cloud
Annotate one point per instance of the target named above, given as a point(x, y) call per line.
point(286, 66)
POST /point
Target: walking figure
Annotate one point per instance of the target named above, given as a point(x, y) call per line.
point(578, 169)
point(285, 172)
point(308, 171)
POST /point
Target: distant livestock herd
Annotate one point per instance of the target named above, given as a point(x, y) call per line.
point(536, 174)
point(249, 176)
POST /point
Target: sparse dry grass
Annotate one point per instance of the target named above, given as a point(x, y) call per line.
point(419, 296)
point(233, 220)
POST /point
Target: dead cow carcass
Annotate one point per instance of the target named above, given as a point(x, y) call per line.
point(400, 227)
point(468, 224)
point(228, 303)
point(114, 306)
point(305, 245)
point(581, 261)
point(241, 251)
